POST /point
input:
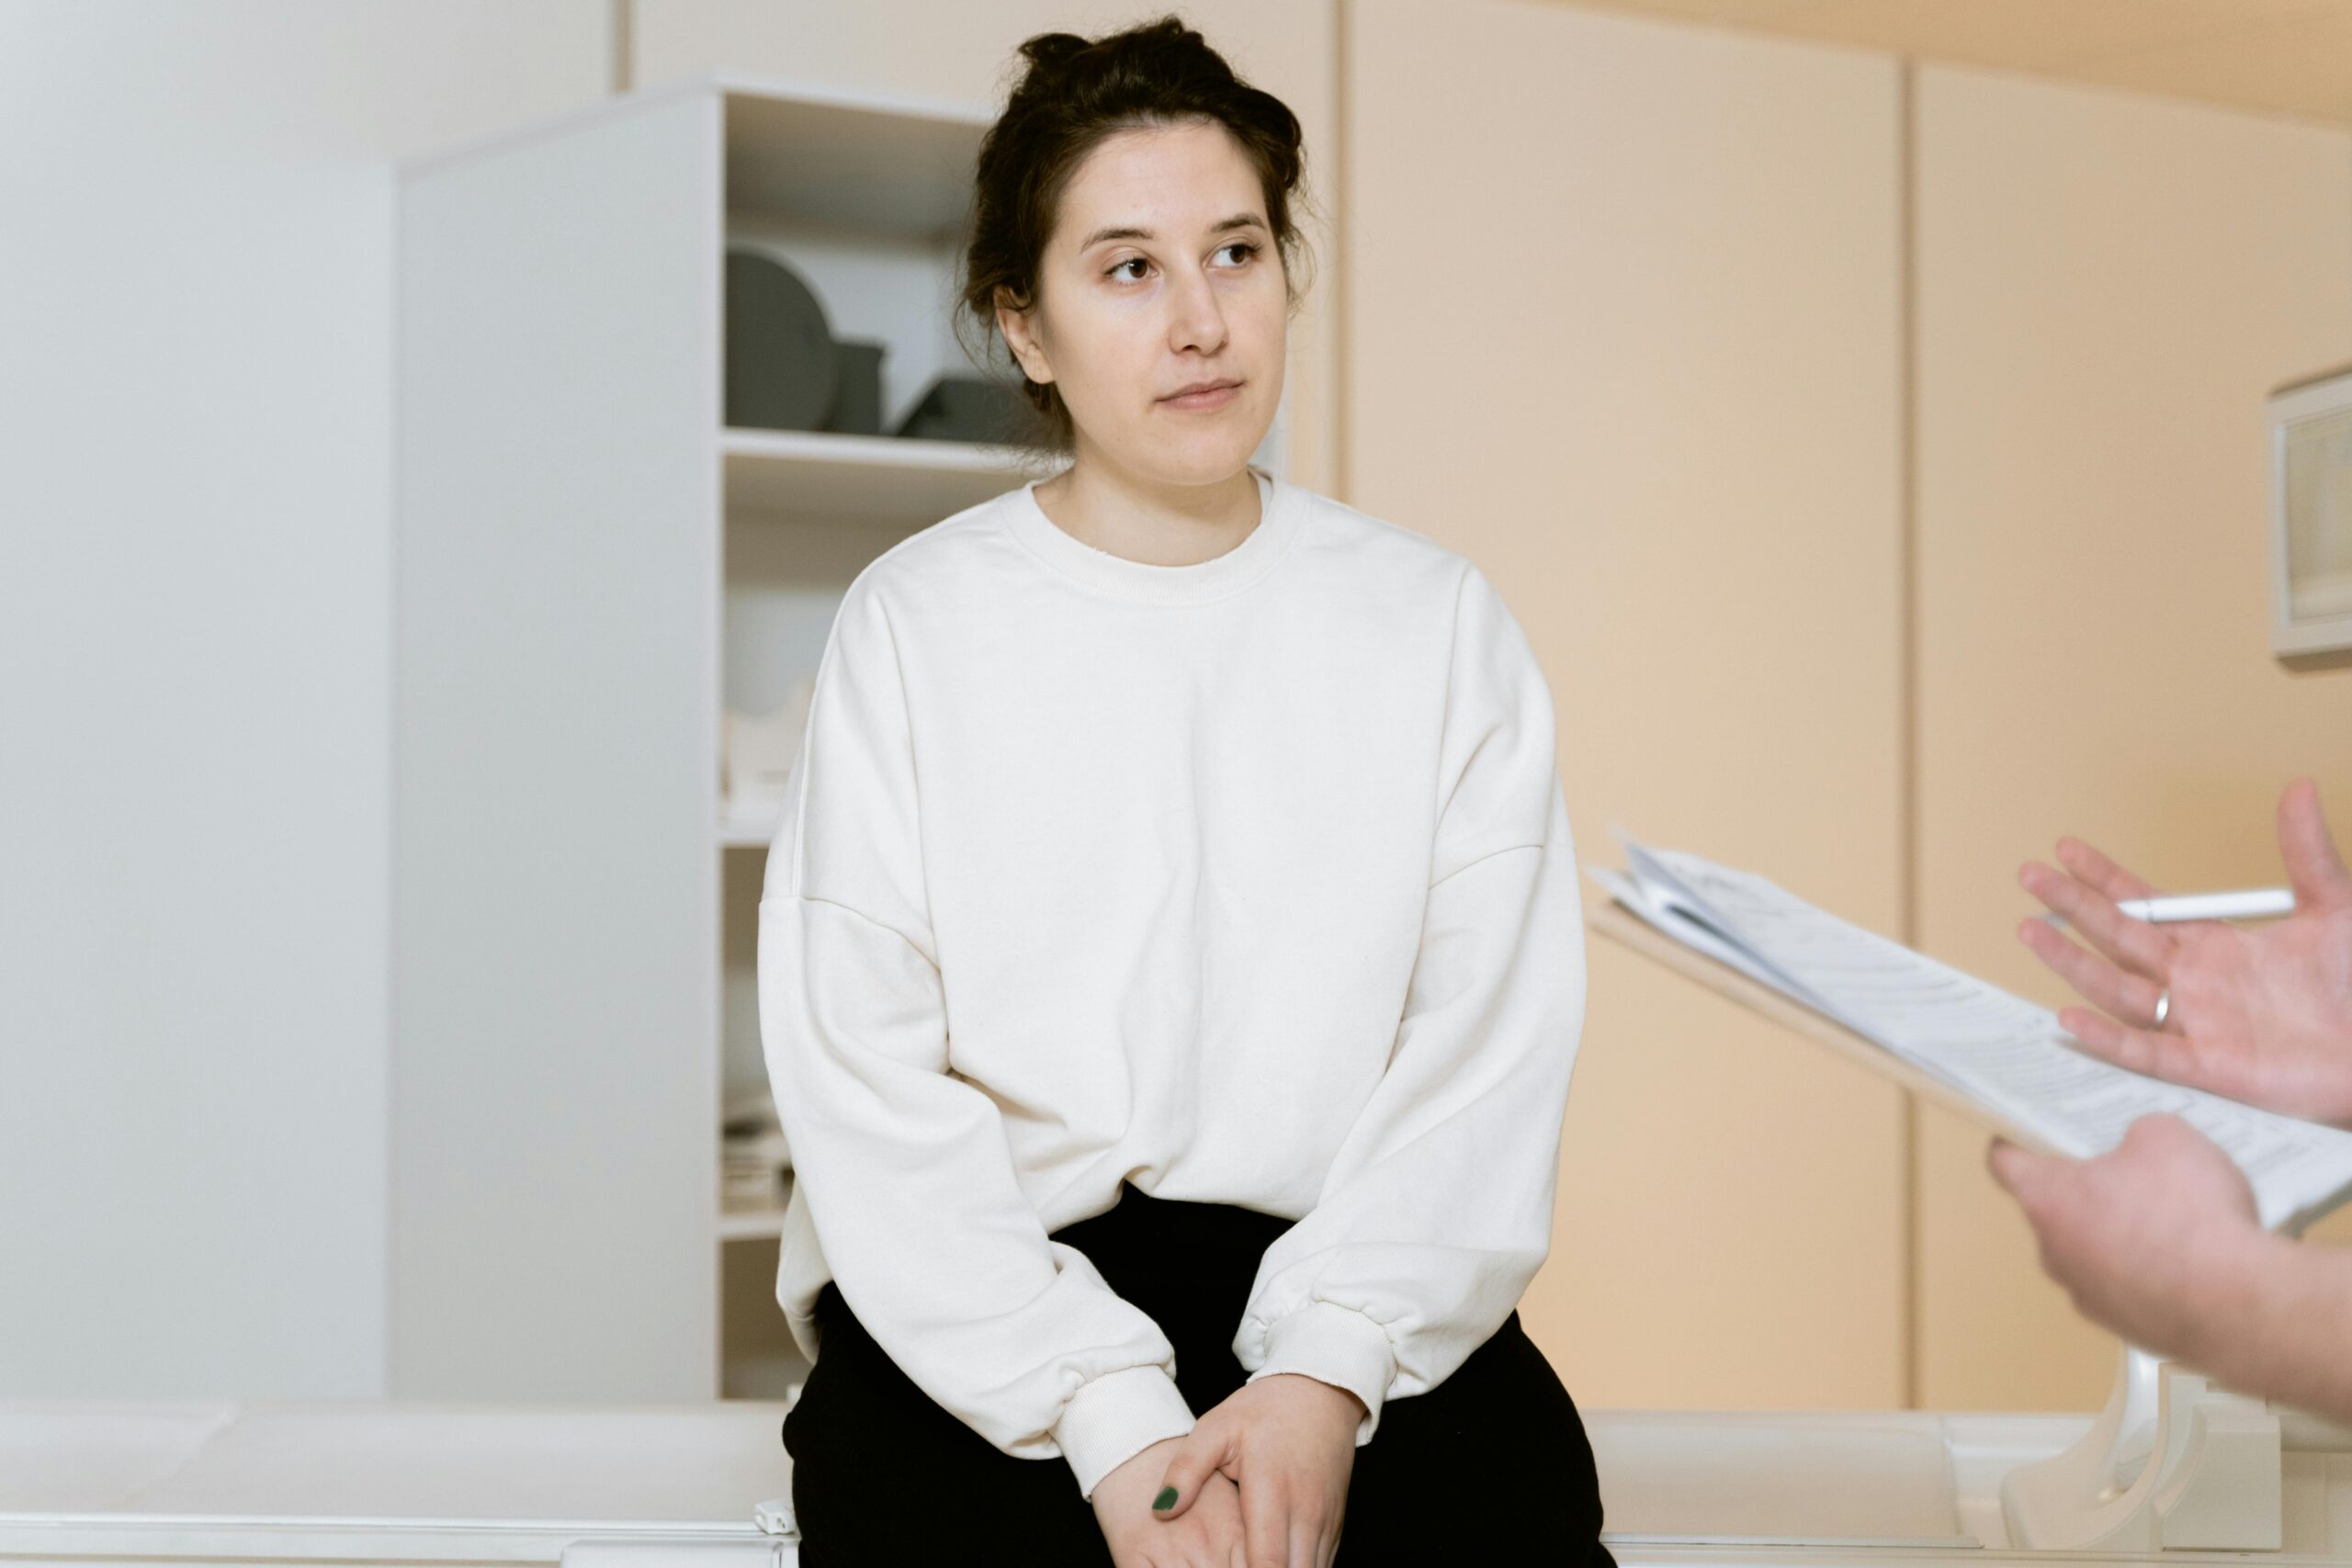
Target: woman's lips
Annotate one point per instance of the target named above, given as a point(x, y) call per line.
point(1215, 397)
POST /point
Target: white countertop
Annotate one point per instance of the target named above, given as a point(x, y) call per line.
point(328, 1480)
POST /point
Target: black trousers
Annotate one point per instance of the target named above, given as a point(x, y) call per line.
point(1492, 1466)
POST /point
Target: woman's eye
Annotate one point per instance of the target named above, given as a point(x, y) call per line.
point(1119, 269)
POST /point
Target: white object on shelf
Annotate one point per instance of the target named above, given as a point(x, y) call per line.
point(775, 1518)
point(754, 1168)
point(756, 1179)
point(755, 1176)
point(759, 750)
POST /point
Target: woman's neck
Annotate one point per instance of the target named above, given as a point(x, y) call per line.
point(1157, 524)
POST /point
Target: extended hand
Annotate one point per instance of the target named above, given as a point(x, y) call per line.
point(2263, 1015)
point(1290, 1441)
point(2149, 1238)
point(1208, 1535)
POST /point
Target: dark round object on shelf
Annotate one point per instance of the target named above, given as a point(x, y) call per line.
point(780, 369)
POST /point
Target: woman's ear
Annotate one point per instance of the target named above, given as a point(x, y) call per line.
point(1014, 324)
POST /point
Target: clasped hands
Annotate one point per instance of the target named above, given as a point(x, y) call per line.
point(2158, 1240)
point(1261, 1481)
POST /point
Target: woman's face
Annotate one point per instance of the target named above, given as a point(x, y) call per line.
point(1161, 273)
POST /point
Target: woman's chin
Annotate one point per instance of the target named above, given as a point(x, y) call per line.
point(1205, 457)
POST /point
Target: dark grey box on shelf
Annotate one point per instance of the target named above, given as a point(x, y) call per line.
point(857, 386)
point(964, 408)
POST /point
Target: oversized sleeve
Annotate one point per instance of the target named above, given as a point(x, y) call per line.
point(1437, 1210)
point(903, 1164)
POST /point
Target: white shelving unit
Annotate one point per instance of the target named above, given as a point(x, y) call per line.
point(589, 568)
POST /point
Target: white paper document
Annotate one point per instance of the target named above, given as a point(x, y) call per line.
point(1998, 1051)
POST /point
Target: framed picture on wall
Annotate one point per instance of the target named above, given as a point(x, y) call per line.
point(2310, 514)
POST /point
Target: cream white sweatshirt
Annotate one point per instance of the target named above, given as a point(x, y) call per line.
point(1248, 882)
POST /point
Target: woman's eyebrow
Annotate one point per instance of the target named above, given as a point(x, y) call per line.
point(1129, 232)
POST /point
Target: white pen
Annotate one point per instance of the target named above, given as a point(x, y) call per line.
point(2253, 904)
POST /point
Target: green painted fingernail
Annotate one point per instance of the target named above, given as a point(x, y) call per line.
point(1166, 1500)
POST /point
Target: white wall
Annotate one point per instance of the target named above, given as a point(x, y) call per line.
point(2109, 286)
point(194, 547)
point(1624, 327)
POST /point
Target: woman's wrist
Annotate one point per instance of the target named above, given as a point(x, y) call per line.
point(1340, 1398)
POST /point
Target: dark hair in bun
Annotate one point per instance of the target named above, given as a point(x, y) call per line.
point(1072, 94)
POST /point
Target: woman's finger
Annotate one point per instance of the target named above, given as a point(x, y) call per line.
point(2134, 944)
point(1265, 1527)
point(2093, 977)
point(1197, 1458)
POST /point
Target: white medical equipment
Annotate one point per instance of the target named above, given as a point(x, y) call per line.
point(332, 1481)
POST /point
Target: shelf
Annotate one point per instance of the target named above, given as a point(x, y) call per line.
point(750, 1222)
point(862, 159)
point(748, 831)
point(704, 564)
point(895, 477)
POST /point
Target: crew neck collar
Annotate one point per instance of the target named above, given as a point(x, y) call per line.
point(1215, 578)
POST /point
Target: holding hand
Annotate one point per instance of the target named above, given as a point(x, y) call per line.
point(2262, 1015)
point(2158, 1241)
point(1209, 1536)
point(1289, 1442)
point(2148, 1239)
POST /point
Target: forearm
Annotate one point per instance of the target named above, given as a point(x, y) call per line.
point(2278, 1323)
point(924, 1225)
point(1438, 1208)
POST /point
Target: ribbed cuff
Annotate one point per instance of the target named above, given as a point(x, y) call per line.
point(1113, 1417)
point(1339, 1346)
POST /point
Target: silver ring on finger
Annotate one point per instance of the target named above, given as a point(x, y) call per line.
point(2163, 1006)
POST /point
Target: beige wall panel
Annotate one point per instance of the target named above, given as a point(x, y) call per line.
point(1624, 329)
point(968, 49)
point(2107, 288)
